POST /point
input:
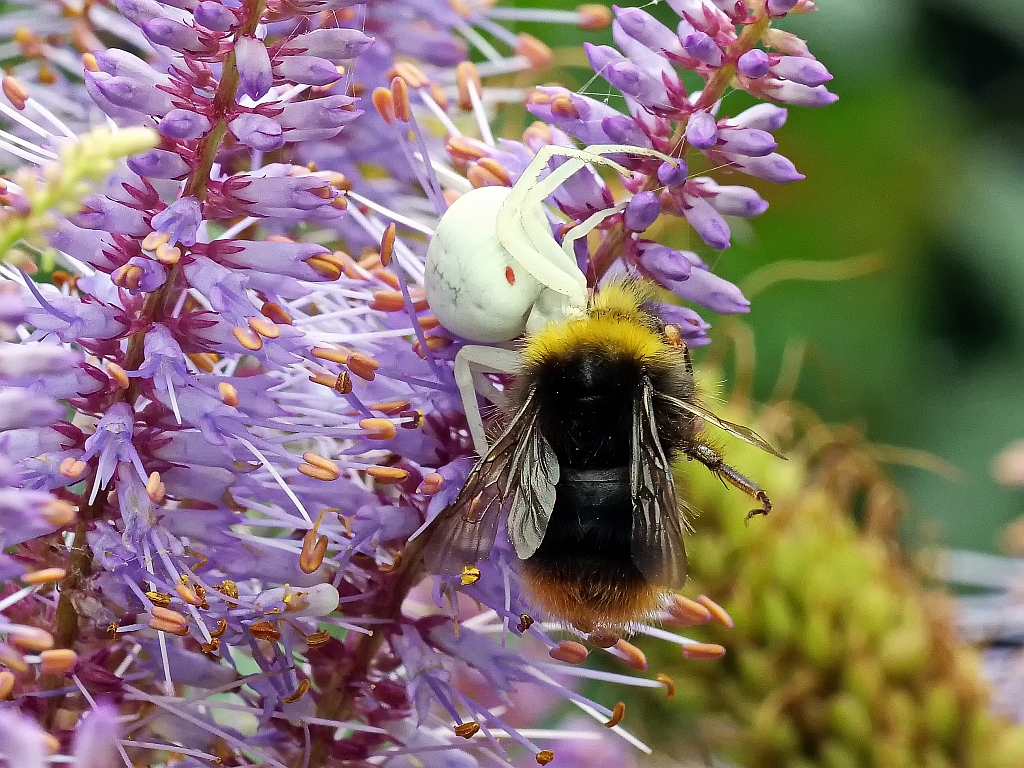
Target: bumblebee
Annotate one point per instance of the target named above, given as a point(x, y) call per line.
point(604, 404)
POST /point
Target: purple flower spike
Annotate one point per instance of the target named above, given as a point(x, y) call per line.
point(253, 67)
point(665, 264)
point(746, 141)
point(215, 17)
point(257, 131)
point(183, 124)
point(708, 222)
point(781, 7)
point(180, 220)
point(642, 211)
point(702, 130)
point(753, 64)
point(703, 48)
point(308, 70)
point(673, 174)
point(799, 69)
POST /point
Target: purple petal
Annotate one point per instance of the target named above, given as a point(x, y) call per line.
point(762, 117)
point(326, 112)
point(691, 326)
point(702, 130)
point(746, 141)
point(799, 69)
point(96, 738)
point(253, 67)
point(707, 222)
point(308, 70)
point(623, 74)
point(159, 164)
point(18, 360)
point(731, 200)
point(802, 95)
point(184, 124)
point(781, 7)
point(642, 211)
point(180, 220)
point(334, 44)
point(21, 736)
point(673, 174)
point(22, 408)
point(132, 94)
point(703, 48)
point(646, 29)
point(215, 16)
point(711, 291)
point(753, 64)
point(257, 131)
point(774, 167)
point(176, 36)
point(665, 264)
point(624, 130)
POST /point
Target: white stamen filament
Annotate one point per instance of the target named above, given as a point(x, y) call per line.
point(92, 703)
point(480, 114)
point(280, 480)
point(393, 215)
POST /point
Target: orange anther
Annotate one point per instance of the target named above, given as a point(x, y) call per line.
point(688, 612)
point(400, 99)
point(119, 375)
point(188, 595)
point(73, 469)
point(362, 365)
point(570, 652)
point(314, 549)
point(155, 488)
point(536, 52)
point(15, 92)
point(248, 338)
point(387, 244)
point(631, 655)
point(44, 576)
point(384, 103)
point(388, 475)
point(467, 76)
point(228, 393)
point(594, 16)
point(432, 483)
point(378, 429)
point(718, 613)
point(617, 714)
point(703, 651)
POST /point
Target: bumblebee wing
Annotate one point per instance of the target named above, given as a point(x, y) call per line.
point(743, 433)
point(657, 536)
point(520, 469)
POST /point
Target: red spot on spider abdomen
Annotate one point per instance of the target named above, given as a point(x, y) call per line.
point(510, 276)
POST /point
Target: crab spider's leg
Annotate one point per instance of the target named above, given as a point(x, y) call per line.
point(585, 227)
point(493, 359)
point(533, 237)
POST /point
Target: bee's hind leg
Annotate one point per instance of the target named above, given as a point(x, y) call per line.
point(713, 460)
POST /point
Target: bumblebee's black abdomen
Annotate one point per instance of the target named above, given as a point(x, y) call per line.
point(583, 569)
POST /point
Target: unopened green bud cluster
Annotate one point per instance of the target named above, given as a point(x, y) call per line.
point(838, 658)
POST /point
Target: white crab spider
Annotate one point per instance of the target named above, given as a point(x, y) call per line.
point(494, 270)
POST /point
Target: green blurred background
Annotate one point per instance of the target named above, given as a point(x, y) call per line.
point(918, 167)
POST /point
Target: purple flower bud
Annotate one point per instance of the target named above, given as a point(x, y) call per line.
point(253, 67)
point(120, 63)
point(23, 408)
point(326, 112)
point(623, 74)
point(579, 116)
point(673, 174)
point(691, 326)
point(271, 257)
point(703, 48)
point(701, 13)
point(774, 167)
point(753, 64)
point(184, 124)
point(130, 93)
point(646, 29)
point(308, 70)
point(623, 130)
point(746, 141)
point(257, 131)
point(711, 291)
point(215, 16)
point(334, 44)
point(304, 193)
point(763, 117)
point(21, 519)
point(799, 69)
point(180, 220)
point(20, 360)
point(101, 213)
point(665, 264)
point(642, 211)
point(707, 222)
point(159, 164)
point(138, 12)
point(731, 200)
point(701, 130)
point(801, 95)
point(781, 7)
point(177, 37)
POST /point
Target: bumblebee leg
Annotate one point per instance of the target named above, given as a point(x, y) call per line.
point(711, 459)
point(478, 358)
